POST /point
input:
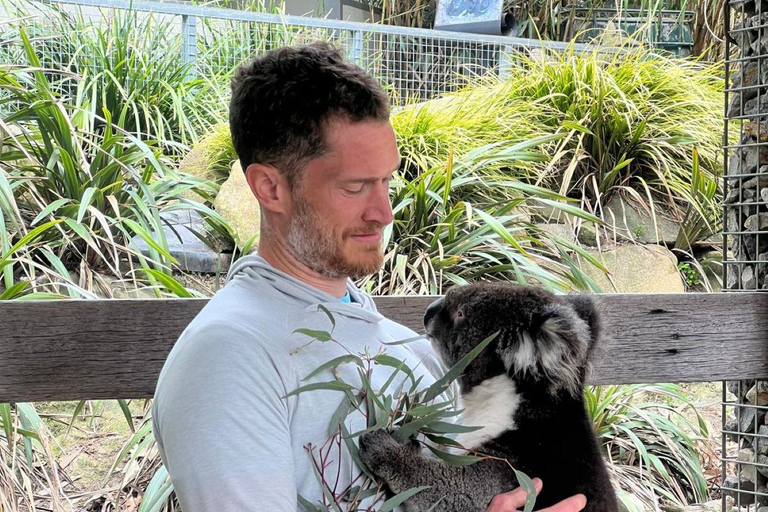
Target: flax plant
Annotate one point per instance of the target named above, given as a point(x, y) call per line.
point(634, 123)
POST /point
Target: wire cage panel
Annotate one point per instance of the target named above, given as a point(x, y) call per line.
point(745, 243)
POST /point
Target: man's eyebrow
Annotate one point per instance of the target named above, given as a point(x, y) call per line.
point(365, 180)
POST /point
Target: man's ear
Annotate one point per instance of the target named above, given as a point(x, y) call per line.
point(270, 187)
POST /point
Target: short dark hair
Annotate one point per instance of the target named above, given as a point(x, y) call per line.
point(282, 100)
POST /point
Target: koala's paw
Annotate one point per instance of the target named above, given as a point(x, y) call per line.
point(381, 453)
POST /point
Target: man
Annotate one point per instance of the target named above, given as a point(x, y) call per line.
point(312, 133)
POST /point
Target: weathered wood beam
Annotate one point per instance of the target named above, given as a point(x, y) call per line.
point(73, 350)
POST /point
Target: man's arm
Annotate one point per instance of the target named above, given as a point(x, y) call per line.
point(222, 425)
point(514, 501)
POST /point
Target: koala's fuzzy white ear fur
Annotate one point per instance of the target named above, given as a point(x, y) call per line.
point(558, 349)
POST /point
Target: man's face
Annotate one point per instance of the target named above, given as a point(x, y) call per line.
point(341, 202)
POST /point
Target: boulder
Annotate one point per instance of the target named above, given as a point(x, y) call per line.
point(192, 254)
point(636, 269)
point(636, 224)
point(557, 231)
point(238, 206)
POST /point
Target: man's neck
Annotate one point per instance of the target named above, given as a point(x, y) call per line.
point(278, 255)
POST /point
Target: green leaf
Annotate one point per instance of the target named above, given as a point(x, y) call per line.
point(333, 363)
point(409, 429)
point(398, 499)
point(332, 385)
point(14, 291)
point(52, 207)
point(26, 239)
point(443, 427)
point(530, 490)
point(123, 404)
point(75, 414)
point(169, 282)
point(454, 459)
point(439, 386)
point(406, 340)
point(328, 314)
point(309, 506)
point(393, 362)
point(318, 335)
point(85, 202)
point(7, 418)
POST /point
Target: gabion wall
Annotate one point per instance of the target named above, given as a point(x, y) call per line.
point(745, 243)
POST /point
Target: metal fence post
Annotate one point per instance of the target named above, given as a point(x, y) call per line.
point(189, 43)
point(355, 51)
point(505, 61)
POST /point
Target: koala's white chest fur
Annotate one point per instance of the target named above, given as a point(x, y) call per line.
point(492, 405)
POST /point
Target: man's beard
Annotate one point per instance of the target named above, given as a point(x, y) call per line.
point(314, 245)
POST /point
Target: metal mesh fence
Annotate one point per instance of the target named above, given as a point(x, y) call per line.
point(413, 64)
point(745, 244)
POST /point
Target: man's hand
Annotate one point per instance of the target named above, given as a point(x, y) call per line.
point(513, 501)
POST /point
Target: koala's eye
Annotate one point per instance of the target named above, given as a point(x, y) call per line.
point(459, 316)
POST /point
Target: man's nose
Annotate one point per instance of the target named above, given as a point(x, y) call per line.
point(432, 310)
point(380, 209)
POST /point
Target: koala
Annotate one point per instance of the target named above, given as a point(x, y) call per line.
point(525, 389)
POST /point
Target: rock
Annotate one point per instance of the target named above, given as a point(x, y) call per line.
point(110, 287)
point(547, 213)
point(733, 278)
point(761, 442)
point(636, 224)
point(733, 224)
point(712, 264)
point(637, 269)
point(192, 254)
point(764, 195)
point(748, 470)
point(757, 182)
point(734, 196)
point(758, 222)
point(557, 231)
point(732, 426)
point(739, 388)
point(763, 461)
point(747, 419)
point(587, 234)
point(758, 394)
point(710, 506)
point(748, 280)
point(731, 486)
point(239, 207)
point(748, 159)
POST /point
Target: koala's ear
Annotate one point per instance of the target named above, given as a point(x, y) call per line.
point(587, 310)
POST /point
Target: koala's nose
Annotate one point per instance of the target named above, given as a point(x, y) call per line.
point(432, 310)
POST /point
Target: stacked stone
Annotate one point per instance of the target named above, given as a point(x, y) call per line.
point(746, 225)
point(748, 427)
point(746, 205)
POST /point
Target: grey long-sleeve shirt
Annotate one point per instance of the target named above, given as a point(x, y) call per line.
point(228, 437)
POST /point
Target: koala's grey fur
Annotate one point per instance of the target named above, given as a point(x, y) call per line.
point(525, 389)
